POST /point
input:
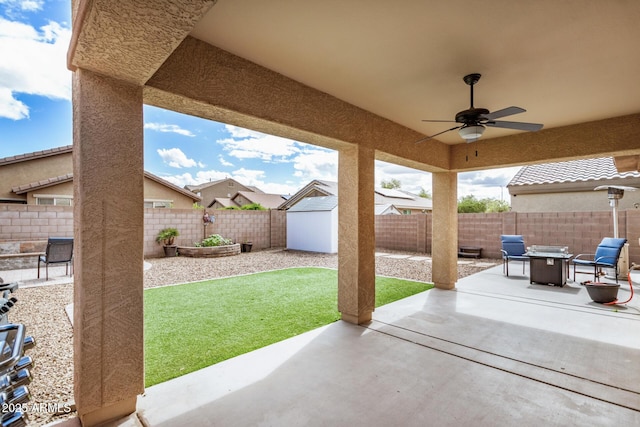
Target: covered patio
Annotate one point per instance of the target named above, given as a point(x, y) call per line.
point(496, 351)
point(355, 77)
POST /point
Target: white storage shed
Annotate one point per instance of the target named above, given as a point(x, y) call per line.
point(312, 225)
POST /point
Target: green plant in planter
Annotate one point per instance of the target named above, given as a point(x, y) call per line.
point(166, 236)
point(213, 240)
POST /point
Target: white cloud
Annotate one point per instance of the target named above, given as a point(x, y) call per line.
point(486, 184)
point(31, 5)
point(256, 178)
point(10, 107)
point(223, 161)
point(13, 7)
point(248, 144)
point(248, 176)
point(412, 180)
point(163, 127)
point(201, 177)
point(316, 163)
point(33, 63)
point(179, 180)
point(175, 158)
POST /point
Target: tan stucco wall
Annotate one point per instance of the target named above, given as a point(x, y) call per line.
point(21, 173)
point(579, 201)
point(108, 230)
point(156, 191)
point(222, 189)
point(34, 170)
point(64, 189)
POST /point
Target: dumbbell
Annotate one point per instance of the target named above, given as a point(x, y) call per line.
point(13, 380)
point(14, 419)
point(16, 396)
point(28, 343)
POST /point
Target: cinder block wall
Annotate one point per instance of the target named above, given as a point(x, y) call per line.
point(404, 232)
point(580, 231)
point(265, 229)
point(35, 222)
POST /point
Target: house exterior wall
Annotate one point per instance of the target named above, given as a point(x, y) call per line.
point(155, 191)
point(26, 172)
point(227, 188)
point(63, 189)
point(313, 231)
point(241, 200)
point(584, 201)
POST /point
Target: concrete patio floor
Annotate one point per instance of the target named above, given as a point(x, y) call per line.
point(497, 351)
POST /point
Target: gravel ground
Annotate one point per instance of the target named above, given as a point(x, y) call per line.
point(41, 309)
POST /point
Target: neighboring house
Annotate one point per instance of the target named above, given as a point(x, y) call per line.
point(569, 186)
point(315, 188)
point(405, 202)
point(46, 178)
point(223, 188)
point(222, 203)
point(402, 201)
point(386, 209)
point(241, 198)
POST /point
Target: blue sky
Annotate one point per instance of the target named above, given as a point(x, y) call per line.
point(35, 114)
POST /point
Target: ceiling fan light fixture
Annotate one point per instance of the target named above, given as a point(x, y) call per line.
point(471, 133)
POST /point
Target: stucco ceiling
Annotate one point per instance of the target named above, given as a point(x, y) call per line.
point(566, 62)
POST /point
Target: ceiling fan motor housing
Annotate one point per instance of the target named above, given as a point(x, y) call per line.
point(471, 116)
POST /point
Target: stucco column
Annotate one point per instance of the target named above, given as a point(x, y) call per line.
point(444, 247)
point(108, 232)
point(356, 240)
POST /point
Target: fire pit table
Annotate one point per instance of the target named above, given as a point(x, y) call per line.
point(548, 264)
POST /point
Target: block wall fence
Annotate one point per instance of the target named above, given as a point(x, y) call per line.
point(580, 231)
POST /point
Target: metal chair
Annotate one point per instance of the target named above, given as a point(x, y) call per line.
point(607, 254)
point(512, 249)
point(59, 250)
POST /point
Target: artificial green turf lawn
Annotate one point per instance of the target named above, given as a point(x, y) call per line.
point(190, 326)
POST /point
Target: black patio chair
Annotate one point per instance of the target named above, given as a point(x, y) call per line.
point(607, 254)
point(59, 250)
point(512, 249)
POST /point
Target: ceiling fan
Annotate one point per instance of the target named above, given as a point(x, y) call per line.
point(474, 120)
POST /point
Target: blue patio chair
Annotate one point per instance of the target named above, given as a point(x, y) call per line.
point(513, 249)
point(607, 254)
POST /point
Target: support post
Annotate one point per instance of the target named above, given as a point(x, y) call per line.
point(444, 248)
point(108, 232)
point(356, 240)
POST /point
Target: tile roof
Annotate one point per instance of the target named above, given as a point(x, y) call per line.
point(223, 201)
point(21, 189)
point(25, 188)
point(568, 172)
point(172, 186)
point(268, 201)
point(35, 155)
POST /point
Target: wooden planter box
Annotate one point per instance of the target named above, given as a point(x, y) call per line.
point(209, 252)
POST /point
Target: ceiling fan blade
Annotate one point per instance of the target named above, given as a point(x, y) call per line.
point(531, 127)
point(440, 121)
point(436, 134)
point(509, 111)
